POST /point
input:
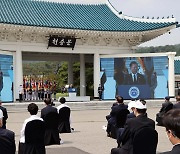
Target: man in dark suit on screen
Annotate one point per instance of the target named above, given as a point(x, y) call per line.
point(134, 78)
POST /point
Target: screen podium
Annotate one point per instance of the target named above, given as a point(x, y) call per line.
point(72, 92)
point(72, 96)
point(134, 91)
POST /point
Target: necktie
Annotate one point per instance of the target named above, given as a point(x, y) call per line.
point(134, 78)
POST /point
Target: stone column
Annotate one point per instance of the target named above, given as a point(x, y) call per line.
point(82, 76)
point(171, 76)
point(70, 72)
point(96, 73)
point(18, 72)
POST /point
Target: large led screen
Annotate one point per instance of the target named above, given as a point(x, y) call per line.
point(6, 78)
point(134, 77)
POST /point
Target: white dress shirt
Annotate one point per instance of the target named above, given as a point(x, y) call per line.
point(32, 117)
point(133, 76)
point(61, 106)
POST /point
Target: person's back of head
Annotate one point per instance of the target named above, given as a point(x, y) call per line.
point(47, 101)
point(171, 121)
point(33, 108)
point(62, 100)
point(167, 98)
point(142, 111)
point(120, 99)
point(178, 98)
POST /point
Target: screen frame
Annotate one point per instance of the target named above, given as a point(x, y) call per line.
point(170, 55)
point(11, 53)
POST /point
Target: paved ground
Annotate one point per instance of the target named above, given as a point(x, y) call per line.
point(88, 137)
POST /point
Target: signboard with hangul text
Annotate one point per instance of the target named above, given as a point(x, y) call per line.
point(55, 41)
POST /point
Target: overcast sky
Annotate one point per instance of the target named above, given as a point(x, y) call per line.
point(147, 8)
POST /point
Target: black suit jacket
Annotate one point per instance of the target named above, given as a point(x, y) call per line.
point(131, 127)
point(5, 116)
point(47, 110)
point(139, 81)
point(117, 108)
point(176, 106)
point(51, 125)
point(175, 150)
point(131, 115)
point(116, 111)
point(10, 136)
point(166, 107)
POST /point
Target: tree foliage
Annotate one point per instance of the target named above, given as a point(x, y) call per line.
point(56, 71)
point(167, 48)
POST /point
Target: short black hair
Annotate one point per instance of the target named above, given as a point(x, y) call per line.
point(143, 101)
point(47, 101)
point(33, 108)
point(132, 63)
point(120, 99)
point(171, 121)
point(141, 111)
point(167, 98)
point(62, 100)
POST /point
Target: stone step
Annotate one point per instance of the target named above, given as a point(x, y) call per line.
point(92, 105)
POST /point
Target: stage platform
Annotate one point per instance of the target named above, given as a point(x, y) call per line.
point(78, 99)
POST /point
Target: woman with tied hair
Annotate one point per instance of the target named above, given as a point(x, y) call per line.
point(171, 122)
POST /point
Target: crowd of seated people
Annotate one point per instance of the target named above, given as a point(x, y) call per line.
point(131, 129)
point(37, 132)
point(135, 132)
point(139, 130)
point(166, 106)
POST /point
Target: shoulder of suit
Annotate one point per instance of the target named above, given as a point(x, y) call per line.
point(177, 104)
point(9, 131)
point(152, 121)
point(54, 108)
point(176, 148)
point(131, 120)
point(126, 105)
point(140, 74)
point(2, 108)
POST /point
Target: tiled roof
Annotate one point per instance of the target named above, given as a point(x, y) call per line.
point(177, 66)
point(98, 17)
